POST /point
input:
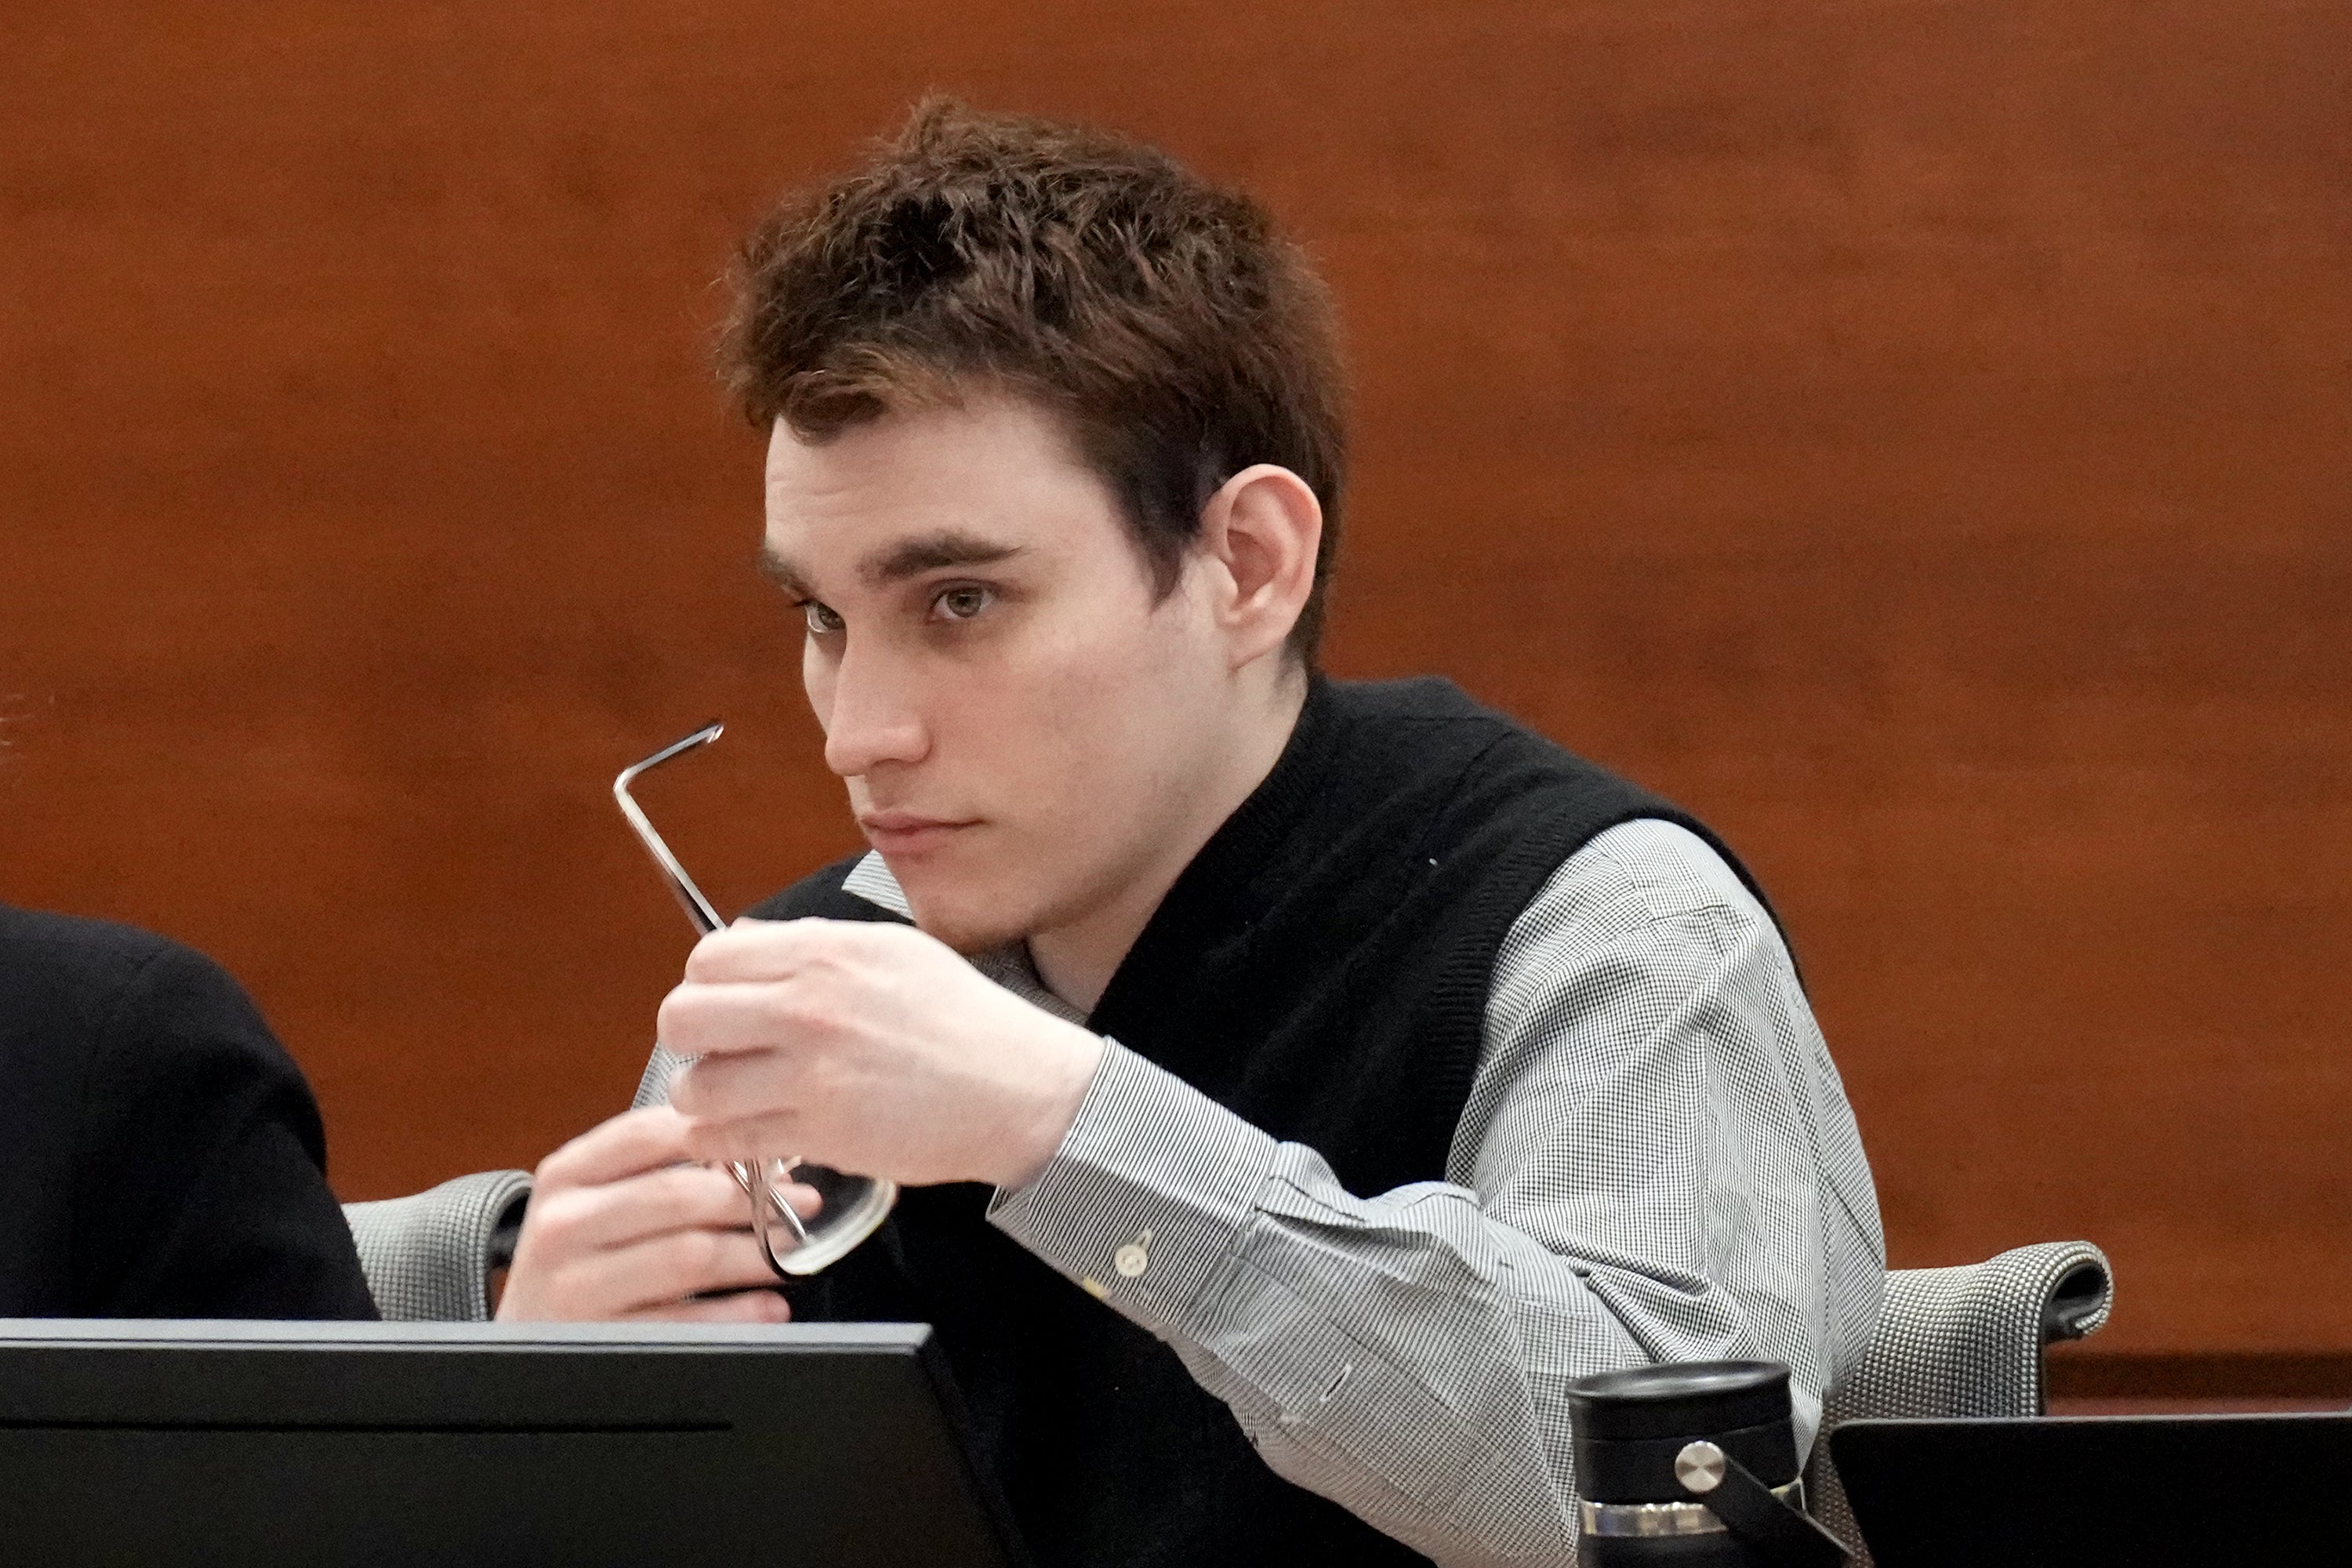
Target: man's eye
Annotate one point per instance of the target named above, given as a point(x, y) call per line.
point(962, 604)
point(821, 619)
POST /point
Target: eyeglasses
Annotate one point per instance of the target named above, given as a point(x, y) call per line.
point(850, 1208)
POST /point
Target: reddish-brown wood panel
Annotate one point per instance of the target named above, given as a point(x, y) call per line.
point(1917, 435)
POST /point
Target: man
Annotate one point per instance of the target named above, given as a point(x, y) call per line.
point(1296, 1084)
point(160, 1153)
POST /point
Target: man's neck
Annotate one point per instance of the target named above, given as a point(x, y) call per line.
point(1076, 960)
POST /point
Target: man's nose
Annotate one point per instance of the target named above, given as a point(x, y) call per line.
point(873, 720)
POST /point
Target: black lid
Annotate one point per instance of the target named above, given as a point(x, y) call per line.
point(1684, 1399)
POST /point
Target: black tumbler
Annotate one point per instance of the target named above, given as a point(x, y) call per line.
point(1695, 1465)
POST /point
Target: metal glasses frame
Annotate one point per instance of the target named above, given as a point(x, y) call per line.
point(864, 1203)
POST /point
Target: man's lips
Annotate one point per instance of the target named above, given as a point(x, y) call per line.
point(898, 832)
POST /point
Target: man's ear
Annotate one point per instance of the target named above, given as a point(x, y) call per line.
point(1259, 534)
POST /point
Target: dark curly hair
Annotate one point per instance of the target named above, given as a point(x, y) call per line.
point(1176, 335)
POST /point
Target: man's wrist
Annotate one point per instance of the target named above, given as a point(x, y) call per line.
point(1065, 1072)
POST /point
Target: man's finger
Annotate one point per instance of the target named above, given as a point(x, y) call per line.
point(629, 1144)
point(704, 1018)
point(662, 1270)
point(722, 1086)
point(752, 1138)
point(802, 1198)
point(756, 950)
point(574, 1220)
point(742, 1306)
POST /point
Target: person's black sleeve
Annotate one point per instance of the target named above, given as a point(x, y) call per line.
point(200, 1171)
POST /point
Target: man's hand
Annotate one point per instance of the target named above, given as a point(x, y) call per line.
point(618, 1227)
point(871, 1048)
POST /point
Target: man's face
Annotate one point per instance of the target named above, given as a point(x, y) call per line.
point(1022, 724)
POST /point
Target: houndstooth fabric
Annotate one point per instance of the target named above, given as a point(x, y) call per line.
point(427, 1257)
point(1963, 1341)
point(653, 1088)
point(1656, 1162)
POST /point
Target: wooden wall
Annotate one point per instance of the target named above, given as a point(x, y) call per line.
point(1917, 434)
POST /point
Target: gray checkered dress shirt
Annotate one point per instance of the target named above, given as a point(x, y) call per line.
point(1656, 1162)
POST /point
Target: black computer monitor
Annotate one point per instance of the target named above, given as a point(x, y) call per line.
point(260, 1444)
point(2114, 1492)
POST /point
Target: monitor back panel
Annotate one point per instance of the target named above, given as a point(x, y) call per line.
point(262, 1446)
point(2094, 1491)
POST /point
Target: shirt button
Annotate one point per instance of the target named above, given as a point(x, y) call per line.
point(1133, 1259)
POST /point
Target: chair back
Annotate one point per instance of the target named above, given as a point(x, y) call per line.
point(1966, 1341)
point(428, 1257)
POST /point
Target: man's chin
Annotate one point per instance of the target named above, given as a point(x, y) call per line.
point(970, 938)
point(967, 919)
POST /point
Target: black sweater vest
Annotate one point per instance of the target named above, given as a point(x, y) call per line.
point(1320, 969)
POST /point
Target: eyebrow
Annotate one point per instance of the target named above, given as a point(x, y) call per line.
point(783, 572)
point(908, 558)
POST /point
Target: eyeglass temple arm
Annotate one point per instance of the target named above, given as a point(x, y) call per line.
point(754, 1181)
point(690, 897)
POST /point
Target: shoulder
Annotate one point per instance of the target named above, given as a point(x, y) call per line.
point(36, 942)
point(62, 973)
point(127, 1013)
point(1647, 893)
point(136, 1004)
point(1638, 943)
point(118, 1042)
point(179, 1142)
point(1651, 870)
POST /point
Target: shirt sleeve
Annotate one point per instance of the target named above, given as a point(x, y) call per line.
point(1655, 1163)
point(201, 1179)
